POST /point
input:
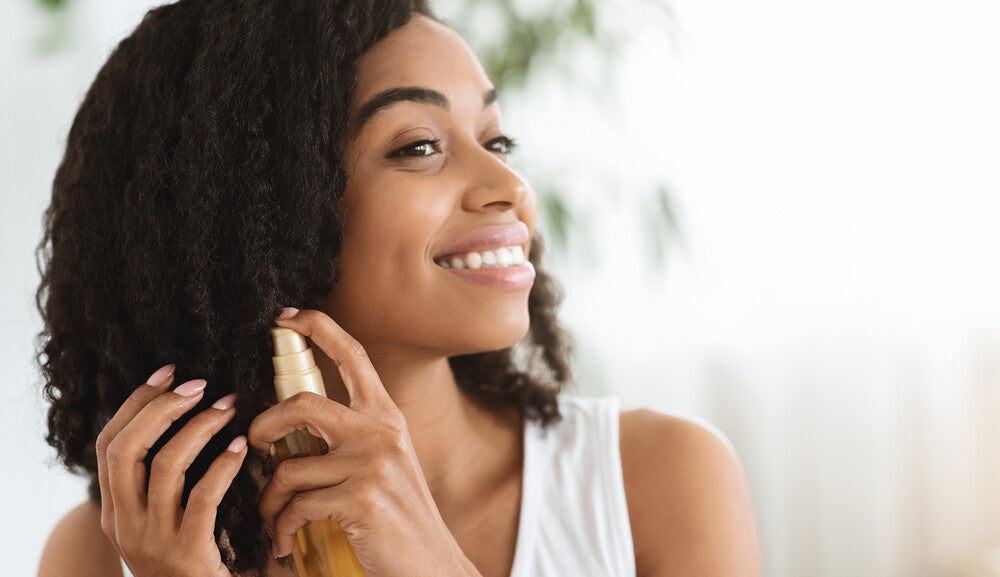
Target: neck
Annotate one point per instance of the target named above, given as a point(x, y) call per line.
point(453, 435)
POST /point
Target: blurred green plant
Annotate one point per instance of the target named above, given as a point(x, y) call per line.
point(518, 46)
point(521, 42)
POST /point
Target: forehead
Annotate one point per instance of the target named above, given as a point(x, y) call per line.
point(423, 52)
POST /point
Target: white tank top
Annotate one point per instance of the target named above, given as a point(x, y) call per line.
point(574, 519)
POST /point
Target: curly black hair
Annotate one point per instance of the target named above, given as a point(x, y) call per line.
point(198, 194)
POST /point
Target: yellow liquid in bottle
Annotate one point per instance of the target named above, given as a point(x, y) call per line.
point(321, 547)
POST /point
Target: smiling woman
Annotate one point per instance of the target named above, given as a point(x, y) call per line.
point(234, 158)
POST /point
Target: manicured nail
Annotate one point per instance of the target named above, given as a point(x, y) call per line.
point(191, 388)
point(161, 375)
point(288, 312)
point(225, 402)
point(237, 445)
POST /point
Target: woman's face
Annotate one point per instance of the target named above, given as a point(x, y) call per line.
point(409, 202)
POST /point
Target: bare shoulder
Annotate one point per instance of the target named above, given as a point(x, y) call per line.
point(688, 501)
point(78, 547)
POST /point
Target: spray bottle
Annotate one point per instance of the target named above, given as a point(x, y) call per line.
point(321, 547)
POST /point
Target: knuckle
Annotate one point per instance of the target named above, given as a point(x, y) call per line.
point(165, 464)
point(356, 351)
point(391, 441)
point(307, 402)
point(368, 499)
point(397, 419)
point(205, 423)
point(284, 472)
point(325, 323)
point(393, 436)
point(203, 496)
point(253, 433)
point(135, 401)
point(108, 527)
point(382, 466)
point(102, 442)
point(115, 451)
point(301, 399)
point(299, 502)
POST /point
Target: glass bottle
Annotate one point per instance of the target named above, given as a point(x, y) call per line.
point(321, 547)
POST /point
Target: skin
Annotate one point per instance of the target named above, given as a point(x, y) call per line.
point(422, 479)
point(408, 313)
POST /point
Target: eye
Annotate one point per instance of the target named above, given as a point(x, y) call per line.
point(508, 144)
point(420, 144)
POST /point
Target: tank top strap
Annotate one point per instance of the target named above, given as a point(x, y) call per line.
point(574, 516)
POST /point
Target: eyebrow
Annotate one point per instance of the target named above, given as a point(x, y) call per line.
point(393, 96)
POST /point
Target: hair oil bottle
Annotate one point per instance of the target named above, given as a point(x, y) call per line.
point(321, 547)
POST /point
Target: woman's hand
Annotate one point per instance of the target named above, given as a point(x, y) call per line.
point(370, 482)
point(153, 533)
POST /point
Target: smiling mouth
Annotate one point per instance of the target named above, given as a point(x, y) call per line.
point(496, 258)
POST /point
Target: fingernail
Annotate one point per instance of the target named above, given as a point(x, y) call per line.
point(288, 312)
point(191, 388)
point(225, 402)
point(237, 445)
point(161, 375)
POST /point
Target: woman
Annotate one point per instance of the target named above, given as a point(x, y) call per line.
point(232, 158)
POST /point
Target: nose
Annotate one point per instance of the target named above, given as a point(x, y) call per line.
point(493, 183)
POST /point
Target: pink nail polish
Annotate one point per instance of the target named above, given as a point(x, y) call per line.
point(225, 402)
point(191, 388)
point(161, 375)
point(237, 445)
point(288, 312)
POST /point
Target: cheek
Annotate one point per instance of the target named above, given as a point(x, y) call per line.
point(386, 243)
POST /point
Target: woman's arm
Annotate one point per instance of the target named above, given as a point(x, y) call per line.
point(77, 546)
point(687, 499)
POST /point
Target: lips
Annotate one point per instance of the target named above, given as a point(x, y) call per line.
point(489, 238)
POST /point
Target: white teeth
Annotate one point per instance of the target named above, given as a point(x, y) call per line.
point(498, 258)
point(517, 254)
point(473, 260)
point(503, 257)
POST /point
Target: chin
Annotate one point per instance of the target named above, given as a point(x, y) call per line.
point(491, 337)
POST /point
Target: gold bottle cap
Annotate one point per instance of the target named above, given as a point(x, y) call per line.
point(295, 368)
point(287, 341)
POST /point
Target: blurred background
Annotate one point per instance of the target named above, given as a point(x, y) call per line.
point(778, 217)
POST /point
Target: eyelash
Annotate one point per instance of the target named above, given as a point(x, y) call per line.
point(509, 145)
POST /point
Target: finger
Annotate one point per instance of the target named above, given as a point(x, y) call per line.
point(300, 474)
point(203, 502)
point(362, 382)
point(126, 453)
point(166, 481)
point(329, 503)
point(154, 386)
point(319, 416)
